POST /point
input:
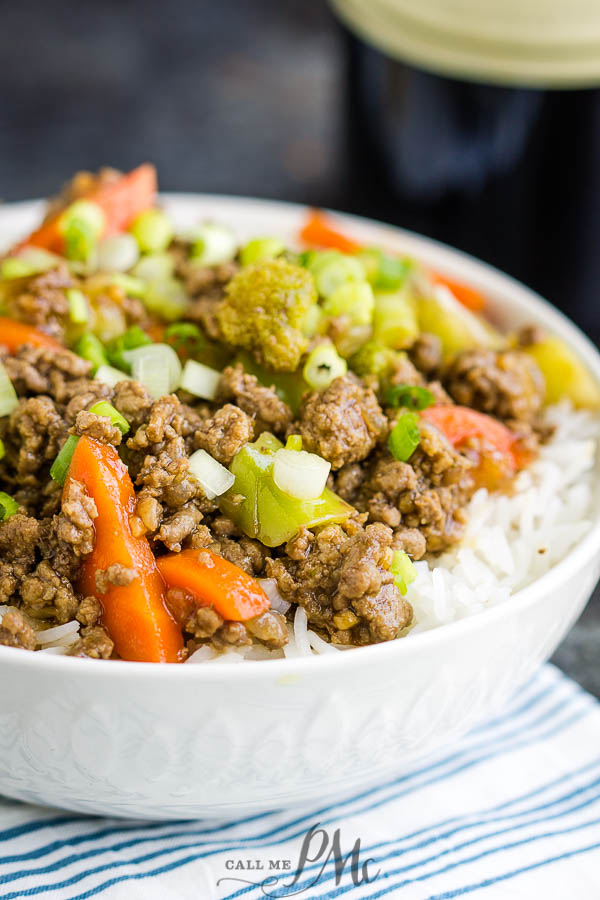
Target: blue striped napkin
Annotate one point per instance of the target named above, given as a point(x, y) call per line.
point(512, 811)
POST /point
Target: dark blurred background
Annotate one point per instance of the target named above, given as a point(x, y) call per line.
point(275, 99)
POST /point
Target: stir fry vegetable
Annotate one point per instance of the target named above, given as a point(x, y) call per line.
point(14, 335)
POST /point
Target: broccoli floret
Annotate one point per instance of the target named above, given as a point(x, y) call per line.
point(264, 311)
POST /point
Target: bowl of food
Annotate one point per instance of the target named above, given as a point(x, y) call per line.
point(288, 500)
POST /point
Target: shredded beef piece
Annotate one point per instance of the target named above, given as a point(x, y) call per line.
point(200, 621)
point(44, 303)
point(261, 403)
point(269, 628)
point(426, 353)
point(342, 423)
point(93, 643)
point(98, 427)
point(404, 372)
point(89, 612)
point(15, 632)
point(19, 537)
point(116, 574)
point(344, 584)
point(39, 431)
point(133, 401)
point(225, 433)
point(75, 524)
point(179, 526)
point(46, 594)
point(508, 384)
point(298, 547)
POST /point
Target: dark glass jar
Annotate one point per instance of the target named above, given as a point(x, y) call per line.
point(511, 175)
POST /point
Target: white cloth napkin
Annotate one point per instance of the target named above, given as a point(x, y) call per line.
point(511, 811)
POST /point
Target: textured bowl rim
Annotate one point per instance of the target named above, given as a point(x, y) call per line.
point(449, 261)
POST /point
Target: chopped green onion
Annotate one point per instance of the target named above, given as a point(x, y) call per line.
point(131, 339)
point(294, 442)
point(78, 306)
point(300, 474)
point(2, 450)
point(117, 253)
point(8, 395)
point(353, 299)
point(322, 366)
point(157, 267)
point(91, 348)
point(214, 477)
point(8, 506)
point(330, 269)
point(80, 242)
point(167, 298)
point(85, 211)
point(60, 466)
point(409, 395)
point(403, 570)
point(385, 271)
point(260, 249)
point(200, 380)
point(13, 267)
point(404, 437)
point(156, 366)
point(313, 321)
point(395, 319)
point(181, 334)
point(110, 376)
point(102, 408)
point(213, 244)
point(153, 231)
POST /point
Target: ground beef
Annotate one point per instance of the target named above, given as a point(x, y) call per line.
point(47, 595)
point(98, 427)
point(411, 541)
point(225, 433)
point(75, 524)
point(44, 302)
point(507, 384)
point(133, 401)
point(15, 632)
point(36, 428)
point(426, 353)
point(269, 628)
point(116, 574)
point(82, 394)
point(45, 370)
point(344, 584)
point(94, 643)
point(166, 476)
point(261, 403)
point(90, 611)
point(179, 526)
point(342, 423)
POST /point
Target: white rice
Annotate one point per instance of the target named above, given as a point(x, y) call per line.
point(510, 540)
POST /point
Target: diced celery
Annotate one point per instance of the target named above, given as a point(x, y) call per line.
point(395, 319)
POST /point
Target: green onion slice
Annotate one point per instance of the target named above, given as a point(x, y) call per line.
point(91, 348)
point(103, 408)
point(294, 442)
point(409, 395)
point(8, 395)
point(404, 437)
point(131, 339)
point(323, 365)
point(78, 306)
point(2, 450)
point(153, 230)
point(60, 466)
point(260, 249)
point(185, 334)
point(8, 506)
point(403, 570)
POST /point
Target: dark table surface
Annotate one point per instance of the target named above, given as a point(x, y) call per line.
point(240, 98)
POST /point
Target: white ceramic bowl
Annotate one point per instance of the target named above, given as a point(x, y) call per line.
point(142, 740)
